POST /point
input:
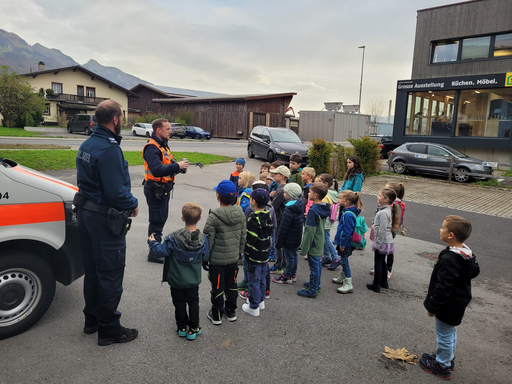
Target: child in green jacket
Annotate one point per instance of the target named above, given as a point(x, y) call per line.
point(184, 251)
point(313, 238)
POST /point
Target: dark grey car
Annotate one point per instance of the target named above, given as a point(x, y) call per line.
point(418, 157)
point(275, 144)
point(82, 122)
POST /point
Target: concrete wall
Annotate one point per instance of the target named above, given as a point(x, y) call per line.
point(70, 80)
point(466, 19)
point(46, 129)
point(332, 126)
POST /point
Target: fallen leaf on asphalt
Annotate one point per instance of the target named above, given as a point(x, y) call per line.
point(400, 354)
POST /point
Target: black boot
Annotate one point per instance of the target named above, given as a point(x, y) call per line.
point(384, 280)
point(375, 286)
point(153, 259)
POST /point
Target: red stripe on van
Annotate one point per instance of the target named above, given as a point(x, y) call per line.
point(19, 169)
point(19, 214)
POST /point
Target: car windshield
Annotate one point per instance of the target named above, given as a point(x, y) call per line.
point(198, 129)
point(285, 137)
point(455, 152)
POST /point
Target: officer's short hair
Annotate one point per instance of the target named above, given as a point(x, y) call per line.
point(191, 213)
point(107, 110)
point(158, 123)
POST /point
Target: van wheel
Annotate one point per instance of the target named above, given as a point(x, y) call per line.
point(250, 153)
point(88, 131)
point(461, 175)
point(69, 130)
point(27, 286)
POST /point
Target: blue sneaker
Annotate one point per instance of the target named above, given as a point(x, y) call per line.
point(193, 332)
point(307, 293)
point(306, 286)
point(325, 261)
point(182, 332)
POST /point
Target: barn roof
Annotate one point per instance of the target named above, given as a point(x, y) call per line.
point(225, 98)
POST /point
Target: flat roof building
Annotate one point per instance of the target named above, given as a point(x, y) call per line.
point(460, 92)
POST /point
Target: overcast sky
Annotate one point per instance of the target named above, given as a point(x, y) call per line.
point(236, 46)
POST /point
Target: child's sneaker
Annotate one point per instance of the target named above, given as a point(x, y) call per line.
point(231, 316)
point(372, 272)
point(242, 286)
point(282, 279)
point(307, 293)
point(433, 367)
point(193, 332)
point(432, 356)
point(294, 278)
point(389, 275)
point(325, 261)
point(216, 320)
point(243, 294)
point(306, 286)
point(261, 306)
point(267, 294)
point(275, 271)
point(251, 311)
point(182, 332)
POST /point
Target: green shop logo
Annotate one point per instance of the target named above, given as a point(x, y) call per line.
point(508, 80)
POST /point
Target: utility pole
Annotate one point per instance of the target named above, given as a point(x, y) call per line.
point(360, 91)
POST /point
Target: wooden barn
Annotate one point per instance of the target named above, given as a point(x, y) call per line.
point(230, 116)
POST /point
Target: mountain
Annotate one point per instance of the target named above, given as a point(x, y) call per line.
point(23, 58)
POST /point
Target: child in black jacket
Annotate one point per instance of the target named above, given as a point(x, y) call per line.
point(449, 293)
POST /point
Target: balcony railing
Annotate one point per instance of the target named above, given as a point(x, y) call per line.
point(76, 98)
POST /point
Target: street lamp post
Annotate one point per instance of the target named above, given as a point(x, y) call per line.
point(360, 91)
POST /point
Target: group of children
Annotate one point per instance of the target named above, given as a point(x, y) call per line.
point(292, 216)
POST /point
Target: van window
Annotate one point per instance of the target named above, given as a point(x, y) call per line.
point(83, 118)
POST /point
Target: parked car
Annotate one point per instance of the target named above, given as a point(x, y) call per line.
point(275, 144)
point(197, 133)
point(178, 130)
point(142, 129)
point(385, 144)
point(82, 122)
point(415, 157)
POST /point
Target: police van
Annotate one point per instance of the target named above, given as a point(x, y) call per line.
point(39, 244)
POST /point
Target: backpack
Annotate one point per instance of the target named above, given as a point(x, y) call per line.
point(357, 239)
point(334, 211)
point(402, 231)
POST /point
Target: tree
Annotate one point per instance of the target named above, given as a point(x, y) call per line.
point(320, 156)
point(376, 108)
point(19, 104)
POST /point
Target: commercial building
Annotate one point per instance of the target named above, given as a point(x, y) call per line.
point(460, 92)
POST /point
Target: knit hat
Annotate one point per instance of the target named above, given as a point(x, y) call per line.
point(293, 190)
point(260, 196)
point(241, 161)
point(282, 170)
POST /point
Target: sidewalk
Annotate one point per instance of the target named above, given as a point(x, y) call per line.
point(441, 193)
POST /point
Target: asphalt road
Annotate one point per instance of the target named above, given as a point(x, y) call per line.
point(335, 338)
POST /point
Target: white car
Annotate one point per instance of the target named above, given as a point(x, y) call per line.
point(142, 129)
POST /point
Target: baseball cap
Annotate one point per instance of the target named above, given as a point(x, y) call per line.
point(293, 190)
point(226, 188)
point(282, 170)
point(260, 196)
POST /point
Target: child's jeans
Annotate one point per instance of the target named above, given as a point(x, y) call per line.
point(329, 250)
point(315, 274)
point(347, 251)
point(292, 259)
point(446, 343)
point(257, 283)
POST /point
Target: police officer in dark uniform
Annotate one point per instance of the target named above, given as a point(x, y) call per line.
point(160, 169)
point(104, 183)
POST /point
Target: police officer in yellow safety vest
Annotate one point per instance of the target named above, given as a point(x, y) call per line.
point(160, 168)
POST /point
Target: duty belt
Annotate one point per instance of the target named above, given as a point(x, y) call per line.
point(91, 206)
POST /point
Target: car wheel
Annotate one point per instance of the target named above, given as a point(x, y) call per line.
point(148, 135)
point(197, 136)
point(250, 153)
point(208, 137)
point(400, 167)
point(182, 137)
point(134, 133)
point(461, 175)
point(88, 131)
point(270, 156)
point(27, 286)
point(69, 130)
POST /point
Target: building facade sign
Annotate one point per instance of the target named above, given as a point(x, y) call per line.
point(498, 80)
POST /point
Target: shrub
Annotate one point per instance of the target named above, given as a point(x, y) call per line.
point(368, 151)
point(62, 120)
point(184, 117)
point(49, 92)
point(320, 156)
point(339, 160)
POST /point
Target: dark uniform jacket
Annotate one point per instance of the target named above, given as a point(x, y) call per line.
point(102, 171)
point(291, 226)
point(449, 291)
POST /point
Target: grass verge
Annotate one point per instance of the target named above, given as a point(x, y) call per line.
point(33, 146)
point(54, 159)
point(19, 132)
